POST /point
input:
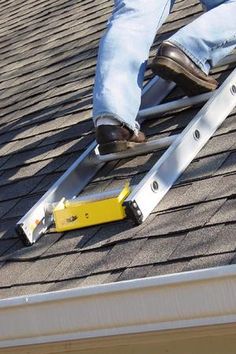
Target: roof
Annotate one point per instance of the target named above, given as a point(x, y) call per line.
point(47, 65)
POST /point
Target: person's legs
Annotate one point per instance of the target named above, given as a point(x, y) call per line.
point(189, 54)
point(210, 37)
point(122, 57)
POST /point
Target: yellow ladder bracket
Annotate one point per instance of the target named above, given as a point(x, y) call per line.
point(91, 210)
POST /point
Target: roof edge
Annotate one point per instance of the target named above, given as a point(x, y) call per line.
point(190, 299)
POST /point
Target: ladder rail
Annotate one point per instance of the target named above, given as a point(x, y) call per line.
point(178, 156)
point(36, 221)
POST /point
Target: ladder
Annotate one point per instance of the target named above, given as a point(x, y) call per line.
point(182, 149)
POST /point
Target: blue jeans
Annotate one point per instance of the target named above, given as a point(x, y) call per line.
point(125, 46)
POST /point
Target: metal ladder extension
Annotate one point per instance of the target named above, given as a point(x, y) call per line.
point(182, 150)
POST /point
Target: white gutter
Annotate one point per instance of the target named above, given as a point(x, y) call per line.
point(190, 299)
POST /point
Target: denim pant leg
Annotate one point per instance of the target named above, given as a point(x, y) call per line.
point(210, 37)
point(122, 57)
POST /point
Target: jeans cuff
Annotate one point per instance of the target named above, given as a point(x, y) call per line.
point(135, 128)
point(196, 61)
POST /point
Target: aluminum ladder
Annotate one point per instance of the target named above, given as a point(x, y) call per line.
point(182, 149)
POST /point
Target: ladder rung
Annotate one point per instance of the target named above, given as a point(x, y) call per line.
point(140, 149)
point(150, 98)
point(230, 59)
point(174, 105)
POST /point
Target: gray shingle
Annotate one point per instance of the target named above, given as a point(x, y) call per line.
point(225, 187)
point(218, 144)
point(6, 245)
point(113, 276)
point(13, 174)
point(122, 255)
point(75, 146)
point(181, 195)
point(230, 164)
point(204, 167)
point(198, 242)
point(65, 284)
point(95, 279)
point(169, 122)
point(79, 265)
point(225, 240)
point(46, 183)
point(7, 229)
point(72, 241)
point(111, 233)
point(96, 188)
point(59, 272)
point(166, 268)
point(165, 223)
point(19, 206)
point(25, 144)
point(199, 191)
point(6, 206)
point(228, 125)
point(201, 213)
point(30, 156)
point(180, 220)
point(226, 213)
point(39, 270)
point(24, 290)
point(19, 189)
point(135, 273)
point(11, 271)
point(210, 261)
point(157, 250)
point(51, 165)
point(32, 252)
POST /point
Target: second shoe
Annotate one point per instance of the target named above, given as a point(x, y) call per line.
point(171, 63)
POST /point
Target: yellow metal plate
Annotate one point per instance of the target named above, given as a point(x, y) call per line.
point(69, 215)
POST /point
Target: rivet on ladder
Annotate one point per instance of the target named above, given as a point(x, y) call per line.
point(233, 89)
point(155, 186)
point(196, 134)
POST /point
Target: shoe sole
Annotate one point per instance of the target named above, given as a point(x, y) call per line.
point(168, 69)
point(115, 146)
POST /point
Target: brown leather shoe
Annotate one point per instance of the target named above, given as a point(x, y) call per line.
point(115, 138)
point(172, 64)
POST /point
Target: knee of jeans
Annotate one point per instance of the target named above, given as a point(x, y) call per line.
point(122, 7)
point(210, 4)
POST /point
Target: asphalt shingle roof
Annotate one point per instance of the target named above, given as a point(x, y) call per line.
point(47, 65)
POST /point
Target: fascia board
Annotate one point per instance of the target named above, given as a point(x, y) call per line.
point(191, 299)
